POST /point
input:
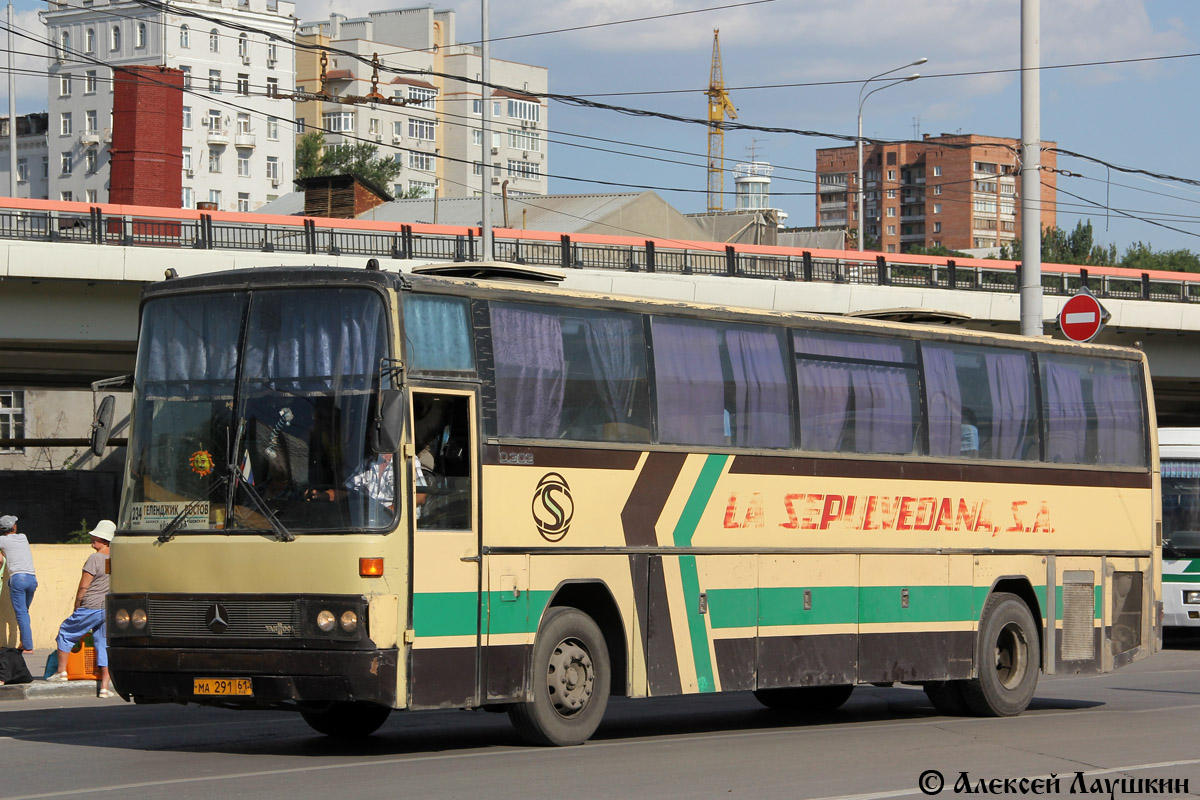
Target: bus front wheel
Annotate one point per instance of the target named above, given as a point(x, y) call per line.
point(571, 681)
point(1008, 658)
point(346, 720)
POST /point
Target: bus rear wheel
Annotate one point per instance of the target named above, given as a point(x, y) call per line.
point(571, 681)
point(346, 720)
point(805, 699)
point(1008, 658)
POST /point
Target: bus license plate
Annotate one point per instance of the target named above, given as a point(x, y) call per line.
point(222, 686)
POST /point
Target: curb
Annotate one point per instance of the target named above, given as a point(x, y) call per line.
point(42, 690)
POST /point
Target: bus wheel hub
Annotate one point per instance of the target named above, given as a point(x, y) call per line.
point(570, 678)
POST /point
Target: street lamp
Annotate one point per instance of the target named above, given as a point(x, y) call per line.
point(862, 99)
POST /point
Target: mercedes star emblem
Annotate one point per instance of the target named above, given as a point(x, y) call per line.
point(217, 618)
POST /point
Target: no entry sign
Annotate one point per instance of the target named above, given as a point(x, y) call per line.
point(1082, 317)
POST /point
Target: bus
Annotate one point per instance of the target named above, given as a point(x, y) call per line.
point(465, 486)
point(1179, 454)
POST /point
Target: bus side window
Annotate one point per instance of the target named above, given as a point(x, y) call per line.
point(441, 436)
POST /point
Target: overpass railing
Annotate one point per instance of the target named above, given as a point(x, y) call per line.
point(132, 226)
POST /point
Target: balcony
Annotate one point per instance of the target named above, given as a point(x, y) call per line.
point(218, 137)
point(829, 187)
point(244, 140)
point(90, 138)
point(833, 206)
point(107, 136)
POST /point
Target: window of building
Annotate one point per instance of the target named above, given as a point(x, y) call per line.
point(243, 83)
point(185, 36)
point(90, 195)
point(422, 129)
point(937, 171)
point(12, 417)
point(139, 35)
point(89, 161)
point(937, 227)
point(66, 196)
point(64, 123)
point(937, 190)
point(64, 45)
point(891, 175)
point(214, 196)
point(272, 87)
point(937, 208)
point(891, 211)
point(65, 163)
point(187, 76)
point(272, 55)
point(495, 108)
point(243, 159)
point(520, 139)
point(891, 230)
point(477, 107)
point(891, 248)
point(214, 41)
point(243, 47)
point(985, 167)
point(187, 159)
point(214, 159)
point(45, 166)
point(523, 169)
point(525, 110)
point(244, 202)
point(339, 121)
point(243, 123)
point(115, 38)
point(90, 121)
point(214, 120)
point(22, 169)
point(273, 167)
point(421, 97)
point(422, 161)
point(214, 81)
point(64, 84)
point(891, 193)
point(90, 40)
point(373, 126)
point(89, 82)
point(187, 118)
point(273, 128)
point(426, 188)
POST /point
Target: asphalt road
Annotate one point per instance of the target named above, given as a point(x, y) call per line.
point(1141, 723)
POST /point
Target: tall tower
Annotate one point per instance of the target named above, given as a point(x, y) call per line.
point(719, 105)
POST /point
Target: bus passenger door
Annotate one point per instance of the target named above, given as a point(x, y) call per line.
point(441, 455)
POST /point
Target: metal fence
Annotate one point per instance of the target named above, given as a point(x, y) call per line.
point(93, 225)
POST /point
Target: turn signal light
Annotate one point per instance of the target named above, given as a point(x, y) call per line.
point(370, 567)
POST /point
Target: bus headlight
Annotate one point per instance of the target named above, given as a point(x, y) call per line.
point(325, 620)
point(1191, 598)
point(349, 621)
point(138, 618)
point(121, 618)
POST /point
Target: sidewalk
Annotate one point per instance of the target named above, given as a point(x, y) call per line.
point(40, 689)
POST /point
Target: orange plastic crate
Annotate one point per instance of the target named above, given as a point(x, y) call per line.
point(81, 663)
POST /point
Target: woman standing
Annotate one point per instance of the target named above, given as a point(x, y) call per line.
point(22, 582)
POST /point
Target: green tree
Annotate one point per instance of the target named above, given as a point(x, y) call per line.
point(314, 159)
point(1143, 257)
point(935, 250)
point(1059, 247)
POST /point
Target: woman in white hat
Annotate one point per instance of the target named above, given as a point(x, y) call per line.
point(89, 608)
point(22, 582)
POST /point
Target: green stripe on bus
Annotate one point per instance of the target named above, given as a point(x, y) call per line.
point(685, 529)
point(1193, 565)
point(881, 604)
point(457, 613)
point(1180, 577)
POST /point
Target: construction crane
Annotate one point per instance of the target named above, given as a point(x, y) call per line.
point(719, 105)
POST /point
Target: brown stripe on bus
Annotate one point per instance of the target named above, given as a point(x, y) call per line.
point(1036, 473)
point(442, 678)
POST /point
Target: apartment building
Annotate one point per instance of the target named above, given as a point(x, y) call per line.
point(33, 157)
point(435, 134)
point(237, 140)
point(960, 191)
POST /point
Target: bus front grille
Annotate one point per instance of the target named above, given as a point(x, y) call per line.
point(255, 619)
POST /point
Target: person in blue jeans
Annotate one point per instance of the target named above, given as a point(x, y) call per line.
point(22, 582)
point(89, 608)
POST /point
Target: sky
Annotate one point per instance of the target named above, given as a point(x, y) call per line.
point(813, 55)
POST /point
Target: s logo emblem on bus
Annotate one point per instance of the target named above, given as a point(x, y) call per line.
point(552, 507)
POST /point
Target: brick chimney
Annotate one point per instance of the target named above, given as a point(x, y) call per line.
point(147, 142)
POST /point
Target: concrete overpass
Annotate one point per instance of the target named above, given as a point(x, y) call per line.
point(70, 276)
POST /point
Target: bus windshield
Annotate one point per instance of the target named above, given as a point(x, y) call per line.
point(248, 403)
point(1181, 507)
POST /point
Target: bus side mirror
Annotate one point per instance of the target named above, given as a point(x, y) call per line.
point(102, 425)
point(389, 422)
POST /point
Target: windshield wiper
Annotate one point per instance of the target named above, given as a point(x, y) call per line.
point(168, 531)
point(282, 534)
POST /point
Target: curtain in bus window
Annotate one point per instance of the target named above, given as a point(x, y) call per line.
point(689, 383)
point(944, 400)
point(191, 348)
point(1120, 432)
point(761, 415)
point(530, 374)
point(438, 333)
point(1066, 414)
point(617, 353)
point(883, 418)
point(1008, 384)
point(316, 340)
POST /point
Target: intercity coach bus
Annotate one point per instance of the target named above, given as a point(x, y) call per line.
point(352, 491)
point(1179, 452)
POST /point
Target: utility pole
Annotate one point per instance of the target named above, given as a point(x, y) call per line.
point(12, 110)
point(485, 225)
point(1031, 165)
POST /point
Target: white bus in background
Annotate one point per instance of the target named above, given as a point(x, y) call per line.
point(1179, 455)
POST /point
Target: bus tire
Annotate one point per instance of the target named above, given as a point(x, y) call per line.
point(571, 681)
point(346, 720)
point(1008, 657)
point(805, 699)
point(947, 698)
